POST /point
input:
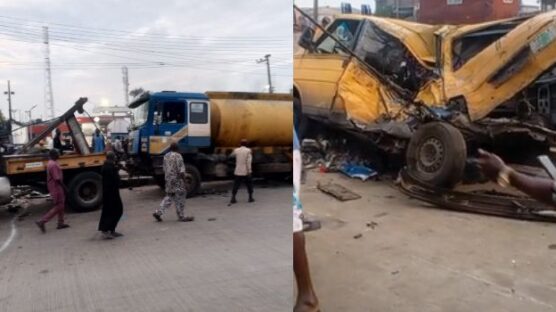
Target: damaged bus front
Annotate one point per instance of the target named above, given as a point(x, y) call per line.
point(434, 92)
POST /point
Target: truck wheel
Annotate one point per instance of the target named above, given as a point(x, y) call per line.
point(436, 154)
point(160, 181)
point(193, 180)
point(193, 177)
point(301, 122)
point(85, 192)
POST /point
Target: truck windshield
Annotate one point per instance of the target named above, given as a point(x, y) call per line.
point(140, 114)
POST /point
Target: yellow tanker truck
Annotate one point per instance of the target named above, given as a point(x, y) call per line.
point(207, 127)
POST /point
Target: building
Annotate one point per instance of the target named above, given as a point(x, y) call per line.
point(466, 11)
point(528, 9)
point(405, 9)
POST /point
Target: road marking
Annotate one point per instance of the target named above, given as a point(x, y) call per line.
point(11, 238)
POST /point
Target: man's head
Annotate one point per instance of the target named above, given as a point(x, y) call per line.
point(53, 154)
point(58, 132)
point(325, 21)
point(174, 147)
point(244, 142)
point(97, 132)
point(110, 156)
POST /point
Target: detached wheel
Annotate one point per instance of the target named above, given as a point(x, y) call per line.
point(85, 192)
point(436, 154)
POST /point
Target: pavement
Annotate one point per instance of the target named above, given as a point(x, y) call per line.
point(387, 252)
point(234, 258)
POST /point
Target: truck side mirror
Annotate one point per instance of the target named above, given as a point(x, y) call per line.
point(306, 40)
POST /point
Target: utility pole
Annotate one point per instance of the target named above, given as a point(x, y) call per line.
point(316, 10)
point(125, 79)
point(30, 121)
point(9, 93)
point(397, 8)
point(266, 60)
point(48, 97)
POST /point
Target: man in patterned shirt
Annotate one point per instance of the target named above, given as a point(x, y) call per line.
point(174, 173)
point(494, 168)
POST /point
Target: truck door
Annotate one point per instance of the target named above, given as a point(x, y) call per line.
point(199, 123)
point(170, 125)
point(317, 74)
point(172, 117)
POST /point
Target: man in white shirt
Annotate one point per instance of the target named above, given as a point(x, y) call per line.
point(242, 172)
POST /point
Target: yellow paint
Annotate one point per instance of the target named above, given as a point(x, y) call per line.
point(334, 83)
point(262, 119)
point(160, 144)
point(364, 97)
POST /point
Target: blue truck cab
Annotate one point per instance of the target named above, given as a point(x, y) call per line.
point(162, 118)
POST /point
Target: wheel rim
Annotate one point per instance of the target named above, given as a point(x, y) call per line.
point(431, 155)
point(88, 191)
point(189, 181)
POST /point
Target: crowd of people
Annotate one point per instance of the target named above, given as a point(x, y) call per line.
point(112, 209)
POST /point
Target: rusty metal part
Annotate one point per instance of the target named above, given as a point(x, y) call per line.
point(495, 204)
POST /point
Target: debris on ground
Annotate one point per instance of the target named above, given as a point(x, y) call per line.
point(552, 246)
point(211, 219)
point(358, 172)
point(358, 236)
point(339, 192)
point(311, 225)
point(372, 224)
point(339, 154)
point(489, 202)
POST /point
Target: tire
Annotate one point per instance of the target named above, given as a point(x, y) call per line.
point(85, 192)
point(193, 177)
point(193, 180)
point(160, 181)
point(301, 122)
point(437, 154)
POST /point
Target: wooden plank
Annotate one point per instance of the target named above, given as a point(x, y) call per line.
point(339, 192)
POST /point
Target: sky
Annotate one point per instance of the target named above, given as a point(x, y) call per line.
point(193, 46)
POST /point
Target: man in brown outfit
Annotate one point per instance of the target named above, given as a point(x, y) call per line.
point(242, 172)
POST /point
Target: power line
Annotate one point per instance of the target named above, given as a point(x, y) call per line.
point(157, 35)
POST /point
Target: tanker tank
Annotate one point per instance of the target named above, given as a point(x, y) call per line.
point(263, 119)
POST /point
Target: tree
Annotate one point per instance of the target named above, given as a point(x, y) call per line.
point(136, 92)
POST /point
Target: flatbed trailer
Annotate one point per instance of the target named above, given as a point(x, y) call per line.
point(81, 169)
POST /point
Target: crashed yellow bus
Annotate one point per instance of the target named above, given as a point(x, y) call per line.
point(433, 92)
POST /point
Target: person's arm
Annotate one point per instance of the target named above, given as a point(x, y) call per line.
point(249, 162)
point(57, 176)
point(182, 171)
point(493, 167)
point(539, 188)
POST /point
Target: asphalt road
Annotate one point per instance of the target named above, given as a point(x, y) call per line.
point(386, 252)
point(241, 261)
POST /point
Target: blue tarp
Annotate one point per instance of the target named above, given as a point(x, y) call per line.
point(359, 172)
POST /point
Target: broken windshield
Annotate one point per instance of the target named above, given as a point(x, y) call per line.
point(472, 43)
point(389, 56)
point(140, 114)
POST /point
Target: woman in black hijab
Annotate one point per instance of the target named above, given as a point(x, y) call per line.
point(112, 208)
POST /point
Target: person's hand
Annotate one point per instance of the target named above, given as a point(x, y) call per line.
point(490, 163)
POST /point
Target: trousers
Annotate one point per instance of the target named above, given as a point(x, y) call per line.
point(178, 199)
point(242, 179)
